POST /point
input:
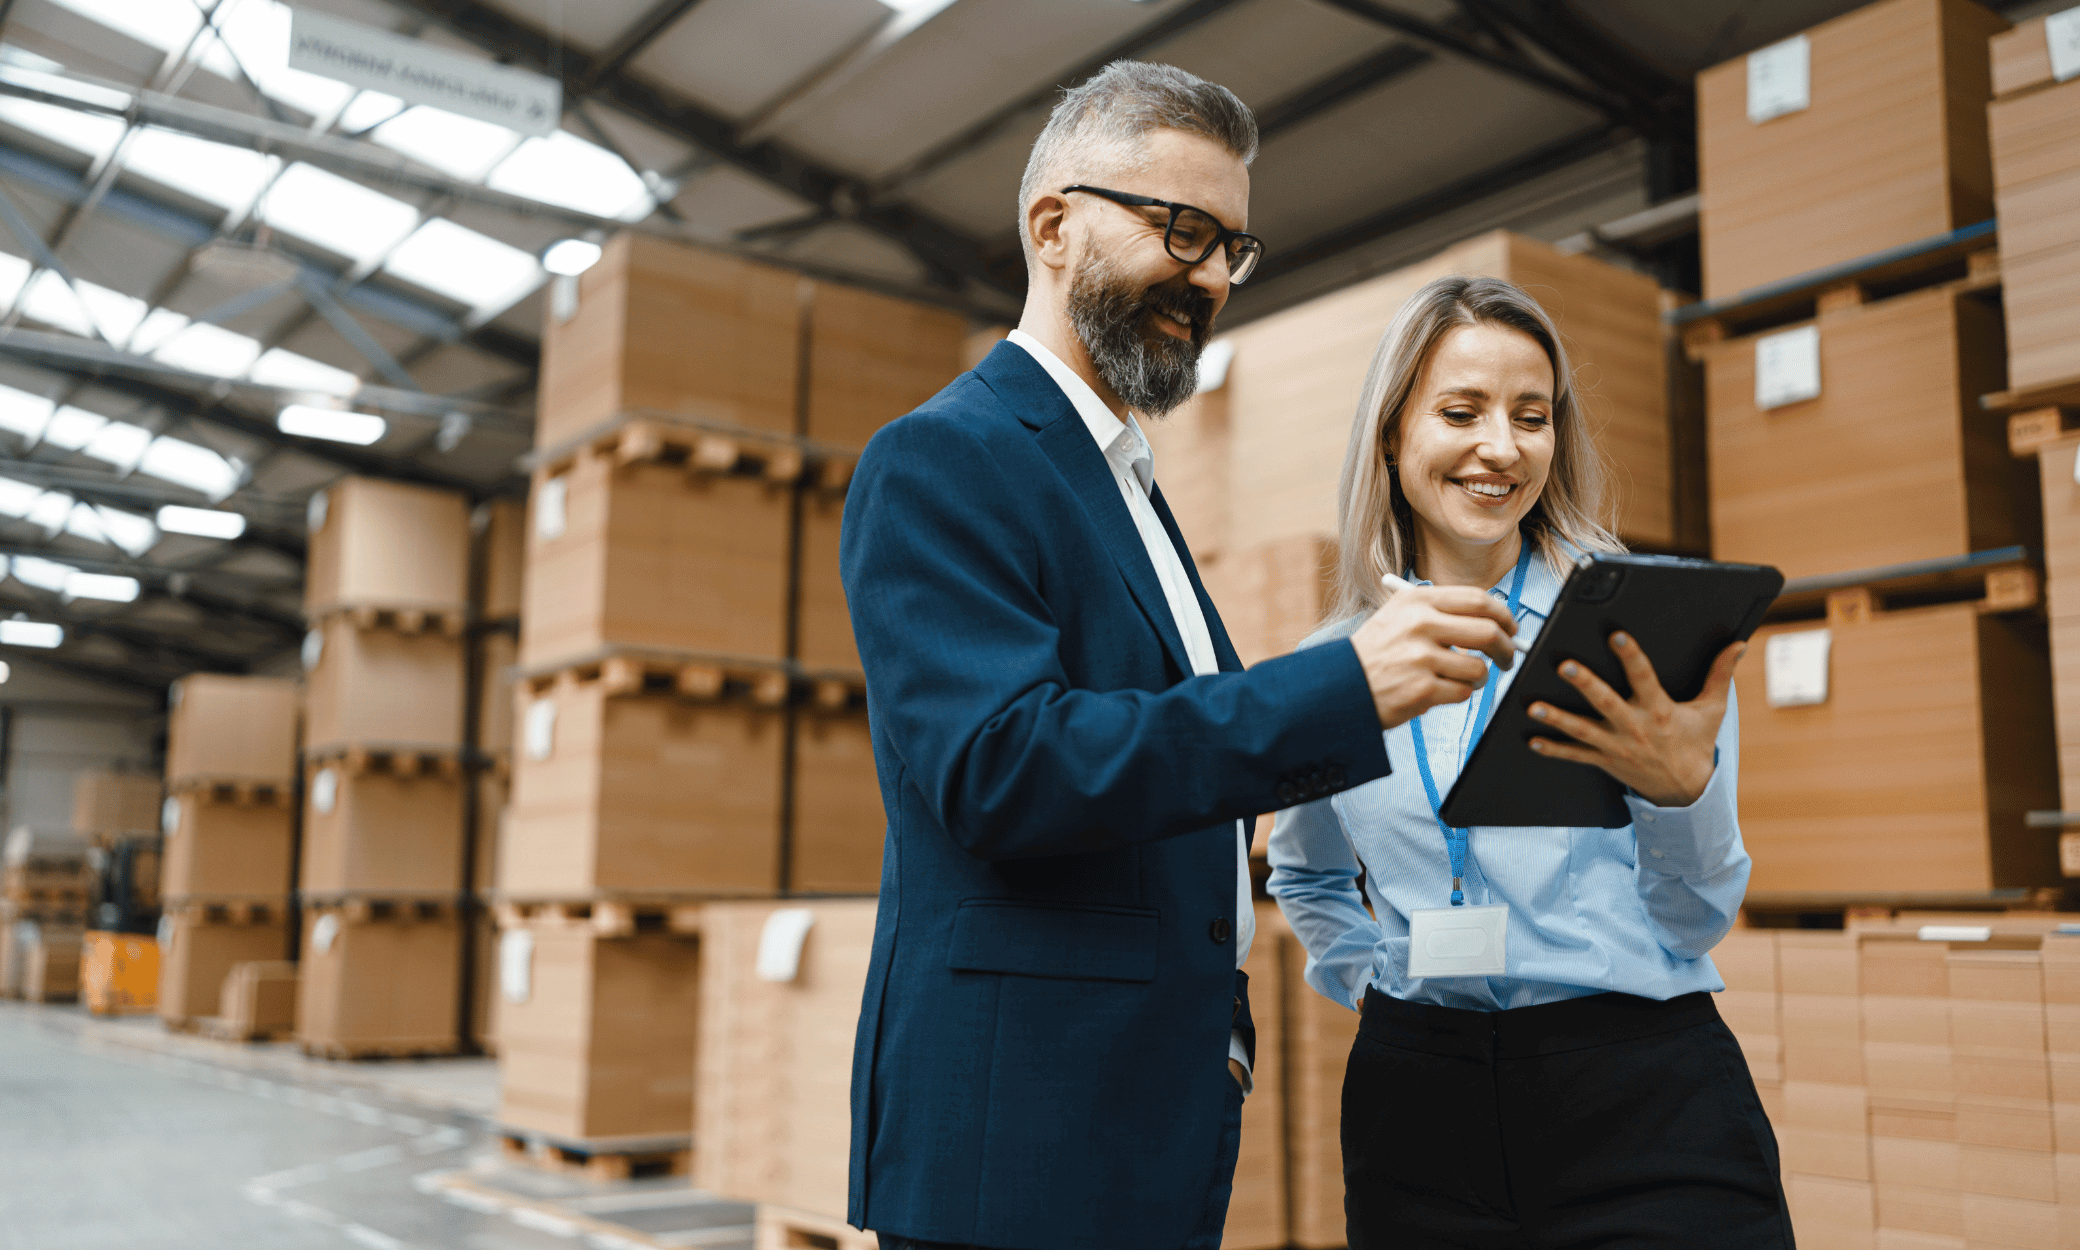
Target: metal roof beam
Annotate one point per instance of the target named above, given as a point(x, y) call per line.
point(947, 253)
point(110, 491)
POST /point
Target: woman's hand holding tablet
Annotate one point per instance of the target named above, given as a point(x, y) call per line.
point(1663, 750)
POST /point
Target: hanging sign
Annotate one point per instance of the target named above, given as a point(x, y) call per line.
point(420, 73)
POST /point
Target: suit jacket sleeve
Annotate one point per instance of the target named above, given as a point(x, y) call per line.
point(942, 570)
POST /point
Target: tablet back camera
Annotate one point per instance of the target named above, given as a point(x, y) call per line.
point(1600, 583)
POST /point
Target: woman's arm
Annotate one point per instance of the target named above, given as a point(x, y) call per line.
point(1314, 877)
point(1693, 870)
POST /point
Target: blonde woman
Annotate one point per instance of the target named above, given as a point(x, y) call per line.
point(1588, 1096)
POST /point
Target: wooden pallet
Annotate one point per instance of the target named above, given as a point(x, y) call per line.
point(779, 1228)
point(449, 620)
point(601, 1162)
point(706, 447)
point(705, 678)
point(399, 759)
point(241, 791)
point(608, 917)
point(355, 1051)
point(373, 908)
point(194, 910)
point(2003, 580)
point(218, 1028)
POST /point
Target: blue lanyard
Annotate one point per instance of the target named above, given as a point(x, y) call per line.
point(1455, 839)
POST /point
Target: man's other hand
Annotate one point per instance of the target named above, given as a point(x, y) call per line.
point(1407, 648)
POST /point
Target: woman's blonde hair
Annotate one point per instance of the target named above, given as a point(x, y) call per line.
point(1377, 530)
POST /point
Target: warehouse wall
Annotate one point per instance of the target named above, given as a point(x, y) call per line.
point(62, 725)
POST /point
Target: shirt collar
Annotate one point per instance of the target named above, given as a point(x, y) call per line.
point(1121, 441)
point(1541, 587)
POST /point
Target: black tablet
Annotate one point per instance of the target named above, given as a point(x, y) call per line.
point(1682, 613)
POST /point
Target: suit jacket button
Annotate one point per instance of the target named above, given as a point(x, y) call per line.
point(1288, 794)
point(1219, 932)
point(1334, 778)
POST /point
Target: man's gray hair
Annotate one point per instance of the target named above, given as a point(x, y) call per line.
point(1100, 124)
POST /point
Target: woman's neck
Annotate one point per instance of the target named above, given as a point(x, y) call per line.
point(1443, 562)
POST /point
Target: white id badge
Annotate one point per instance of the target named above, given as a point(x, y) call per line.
point(1457, 941)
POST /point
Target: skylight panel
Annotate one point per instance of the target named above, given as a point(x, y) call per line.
point(118, 443)
point(157, 23)
point(73, 428)
point(210, 349)
point(23, 413)
point(40, 573)
point(293, 372)
point(83, 522)
point(458, 262)
point(116, 313)
point(258, 31)
point(111, 586)
point(216, 173)
point(50, 511)
point(92, 133)
point(17, 498)
point(48, 299)
point(13, 272)
point(342, 216)
point(454, 144)
point(368, 109)
point(185, 464)
point(127, 530)
point(159, 325)
point(564, 169)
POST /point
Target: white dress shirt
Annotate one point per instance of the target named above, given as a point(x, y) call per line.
point(1133, 467)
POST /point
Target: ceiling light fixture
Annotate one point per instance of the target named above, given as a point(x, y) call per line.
point(332, 424)
point(567, 258)
point(110, 586)
point(30, 634)
point(201, 522)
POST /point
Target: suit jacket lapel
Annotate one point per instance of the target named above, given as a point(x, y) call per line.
point(1223, 650)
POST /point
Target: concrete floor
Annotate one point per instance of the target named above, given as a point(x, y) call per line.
point(115, 1135)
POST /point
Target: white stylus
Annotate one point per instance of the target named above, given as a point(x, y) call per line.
point(1399, 584)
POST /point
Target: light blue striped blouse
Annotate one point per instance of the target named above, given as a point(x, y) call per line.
point(1591, 910)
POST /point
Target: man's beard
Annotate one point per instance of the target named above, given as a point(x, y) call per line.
point(1150, 370)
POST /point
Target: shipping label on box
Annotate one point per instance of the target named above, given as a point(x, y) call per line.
point(1780, 79)
point(1795, 667)
point(1787, 367)
point(2062, 32)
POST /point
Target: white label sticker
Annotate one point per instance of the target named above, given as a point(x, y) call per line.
point(325, 932)
point(1780, 79)
point(780, 943)
point(1955, 933)
point(1794, 667)
point(2062, 32)
point(165, 933)
point(550, 519)
point(1458, 941)
point(516, 965)
point(325, 791)
point(314, 511)
point(1787, 367)
point(423, 73)
point(313, 650)
point(170, 816)
point(540, 730)
point(1213, 365)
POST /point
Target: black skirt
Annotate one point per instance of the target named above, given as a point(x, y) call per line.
point(1611, 1121)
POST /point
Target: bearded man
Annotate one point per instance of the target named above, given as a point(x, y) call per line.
point(1055, 1040)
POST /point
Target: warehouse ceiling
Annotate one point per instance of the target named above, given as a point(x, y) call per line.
point(193, 236)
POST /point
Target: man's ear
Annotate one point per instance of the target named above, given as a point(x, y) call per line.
point(1046, 222)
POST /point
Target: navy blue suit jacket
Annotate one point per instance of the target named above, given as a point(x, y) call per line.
point(1041, 1049)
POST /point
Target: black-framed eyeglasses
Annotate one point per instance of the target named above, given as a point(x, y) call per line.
point(1193, 233)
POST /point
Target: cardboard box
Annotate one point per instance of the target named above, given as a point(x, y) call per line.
point(2036, 168)
point(106, 803)
point(1923, 1210)
point(50, 964)
point(501, 540)
point(498, 654)
point(225, 728)
point(596, 1034)
point(1194, 458)
point(2021, 59)
point(386, 544)
point(1825, 1130)
point(839, 823)
point(1272, 596)
point(119, 973)
point(382, 825)
point(374, 681)
point(1294, 386)
point(494, 790)
point(259, 1000)
point(378, 979)
point(2010, 1222)
point(1259, 1205)
point(1837, 1214)
point(1893, 785)
point(659, 556)
point(483, 982)
point(676, 329)
point(823, 636)
point(1893, 462)
point(773, 1066)
point(1889, 150)
point(873, 358)
point(1319, 1035)
point(649, 793)
point(197, 954)
point(228, 844)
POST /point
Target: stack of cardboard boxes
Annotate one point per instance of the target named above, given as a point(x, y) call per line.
point(387, 596)
point(230, 836)
point(107, 803)
point(46, 889)
point(1926, 1092)
point(1848, 447)
point(499, 566)
point(691, 717)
